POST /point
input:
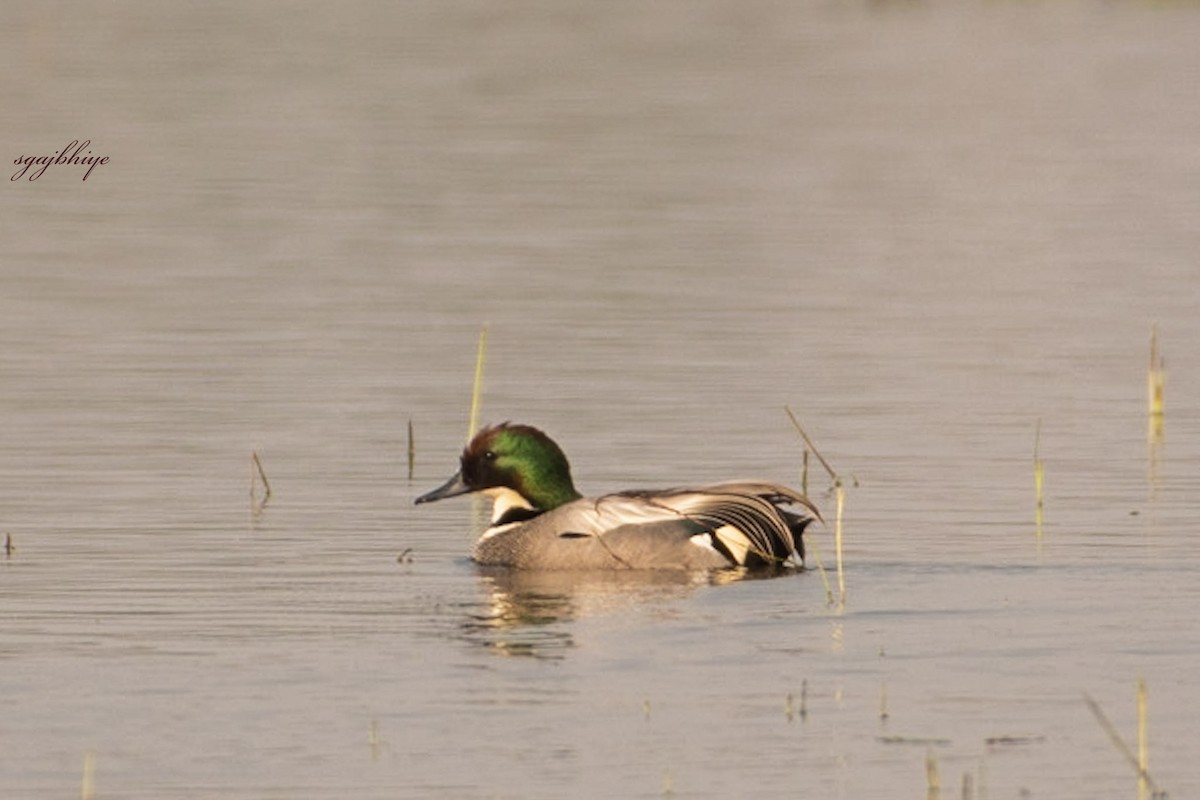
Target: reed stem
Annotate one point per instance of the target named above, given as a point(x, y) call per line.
point(1155, 383)
point(1039, 480)
point(932, 777)
point(373, 739)
point(1155, 376)
point(412, 451)
point(258, 473)
point(812, 548)
point(840, 492)
point(1123, 749)
point(837, 544)
point(87, 785)
point(477, 390)
point(1143, 744)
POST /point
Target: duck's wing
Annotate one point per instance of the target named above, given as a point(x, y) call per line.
point(774, 493)
point(676, 543)
point(744, 522)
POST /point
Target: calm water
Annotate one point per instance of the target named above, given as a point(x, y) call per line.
point(923, 226)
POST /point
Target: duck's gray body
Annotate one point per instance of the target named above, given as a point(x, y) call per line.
point(731, 524)
point(539, 521)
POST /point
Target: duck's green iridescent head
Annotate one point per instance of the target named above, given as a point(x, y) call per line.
point(519, 458)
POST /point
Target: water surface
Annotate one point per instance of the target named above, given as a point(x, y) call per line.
point(922, 226)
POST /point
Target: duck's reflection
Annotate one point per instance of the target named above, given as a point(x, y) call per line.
point(526, 612)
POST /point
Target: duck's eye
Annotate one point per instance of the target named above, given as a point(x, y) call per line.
point(489, 455)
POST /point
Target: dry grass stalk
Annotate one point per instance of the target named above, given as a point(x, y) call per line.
point(804, 435)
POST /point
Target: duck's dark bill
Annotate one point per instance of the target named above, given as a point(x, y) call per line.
point(451, 488)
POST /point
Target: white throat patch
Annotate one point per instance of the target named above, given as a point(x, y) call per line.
point(505, 500)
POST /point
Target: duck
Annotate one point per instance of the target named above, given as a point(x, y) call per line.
point(540, 521)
